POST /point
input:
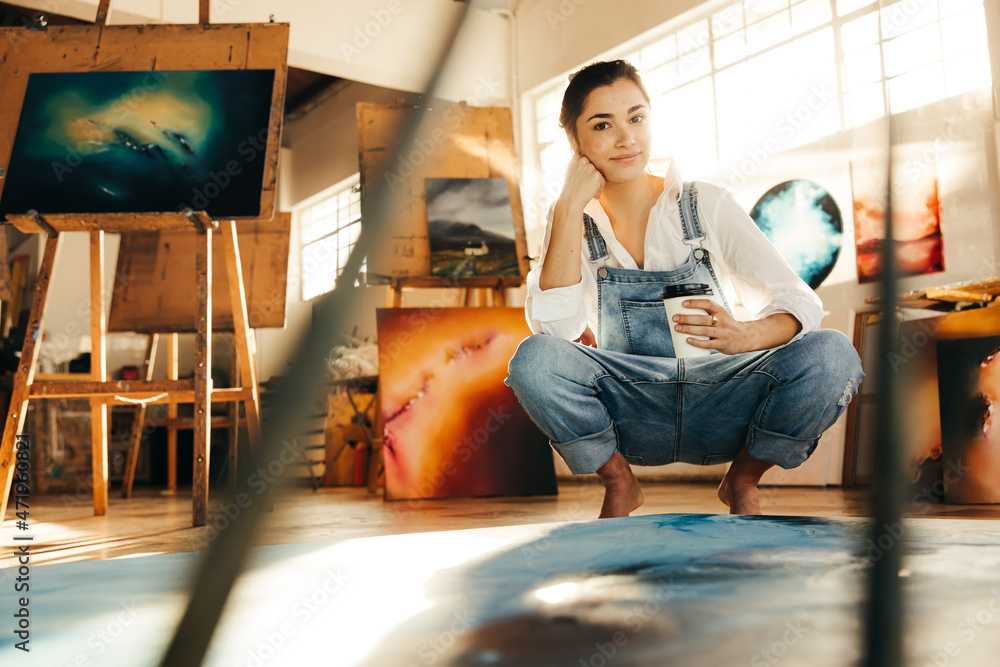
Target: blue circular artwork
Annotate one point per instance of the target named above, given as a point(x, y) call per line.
point(802, 221)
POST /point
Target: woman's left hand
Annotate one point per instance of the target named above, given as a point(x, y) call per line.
point(727, 334)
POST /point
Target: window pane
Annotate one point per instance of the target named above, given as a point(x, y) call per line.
point(769, 32)
point(969, 71)
point(915, 49)
point(727, 20)
point(916, 88)
point(810, 14)
point(692, 65)
point(949, 7)
point(662, 79)
point(907, 15)
point(692, 38)
point(758, 9)
point(859, 33)
point(863, 67)
point(730, 49)
point(684, 129)
point(814, 48)
point(848, 6)
point(546, 105)
point(865, 105)
point(659, 52)
point(963, 32)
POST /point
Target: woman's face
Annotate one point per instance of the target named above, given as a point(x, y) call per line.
point(613, 132)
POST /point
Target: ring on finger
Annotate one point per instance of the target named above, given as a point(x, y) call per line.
point(715, 320)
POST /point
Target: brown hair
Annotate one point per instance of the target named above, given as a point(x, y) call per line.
point(584, 81)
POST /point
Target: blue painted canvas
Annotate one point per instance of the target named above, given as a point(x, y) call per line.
point(712, 590)
point(141, 142)
point(803, 222)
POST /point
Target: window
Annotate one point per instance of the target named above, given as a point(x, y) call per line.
point(749, 78)
point(329, 227)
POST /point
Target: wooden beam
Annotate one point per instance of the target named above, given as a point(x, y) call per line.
point(128, 388)
point(26, 368)
point(102, 12)
point(202, 379)
point(99, 373)
point(233, 415)
point(241, 326)
point(956, 295)
point(172, 415)
point(203, 6)
point(140, 420)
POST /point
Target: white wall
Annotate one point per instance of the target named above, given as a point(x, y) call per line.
point(388, 43)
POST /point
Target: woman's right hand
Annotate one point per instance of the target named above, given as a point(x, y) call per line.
point(583, 183)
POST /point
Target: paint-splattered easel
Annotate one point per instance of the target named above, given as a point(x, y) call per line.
point(139, 48)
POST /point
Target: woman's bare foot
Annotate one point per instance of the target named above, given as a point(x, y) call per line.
point(738, 490)
point(622, 494)
point(739, 501)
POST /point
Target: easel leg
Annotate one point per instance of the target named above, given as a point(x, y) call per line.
point(172, 418)
point(234, 412)
point(26, 369)
point(243, 335)
point(202, 379)
point(140, 419)
point(99, 373)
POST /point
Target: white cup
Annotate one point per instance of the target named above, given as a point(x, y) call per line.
point(673, 298)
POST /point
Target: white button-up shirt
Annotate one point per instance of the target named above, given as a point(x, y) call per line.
point(751, 272)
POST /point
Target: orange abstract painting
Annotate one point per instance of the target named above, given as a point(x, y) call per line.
point(916, 213)
point(451, 427)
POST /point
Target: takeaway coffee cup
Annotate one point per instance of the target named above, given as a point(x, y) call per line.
point(673, 297)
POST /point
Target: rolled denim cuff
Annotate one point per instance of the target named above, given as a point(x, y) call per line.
point(779, 449)
point(587, 454)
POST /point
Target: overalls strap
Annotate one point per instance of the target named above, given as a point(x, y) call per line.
point(598, 249)
point(687, 205)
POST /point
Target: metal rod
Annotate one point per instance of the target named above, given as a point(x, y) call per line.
point(223, 562)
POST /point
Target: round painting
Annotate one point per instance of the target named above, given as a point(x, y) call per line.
point(803, 222)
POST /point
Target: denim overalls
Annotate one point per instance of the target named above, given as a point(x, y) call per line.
point(631, 317)
point(631, 395)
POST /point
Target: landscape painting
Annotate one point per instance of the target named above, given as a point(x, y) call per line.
point(450, 426)
point(916, 213)
point(801, 219)
point(141, 142)
point(471, 227)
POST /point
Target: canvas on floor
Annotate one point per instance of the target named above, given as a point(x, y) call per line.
point(451, 427)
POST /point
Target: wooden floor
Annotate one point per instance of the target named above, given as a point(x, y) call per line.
point(65, 529)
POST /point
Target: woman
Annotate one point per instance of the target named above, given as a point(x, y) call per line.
point(615, 238)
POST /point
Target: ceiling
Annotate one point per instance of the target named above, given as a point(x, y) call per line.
point(303, 88)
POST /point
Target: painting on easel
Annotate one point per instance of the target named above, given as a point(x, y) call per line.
point(471, 228)
point(141, 142)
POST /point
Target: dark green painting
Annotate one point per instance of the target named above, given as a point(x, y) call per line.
point(141, 142)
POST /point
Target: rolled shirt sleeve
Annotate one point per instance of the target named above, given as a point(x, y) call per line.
point(762, 279)
point(558, 311)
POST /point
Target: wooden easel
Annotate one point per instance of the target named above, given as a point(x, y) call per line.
point(104, 47)
point(103, 393)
